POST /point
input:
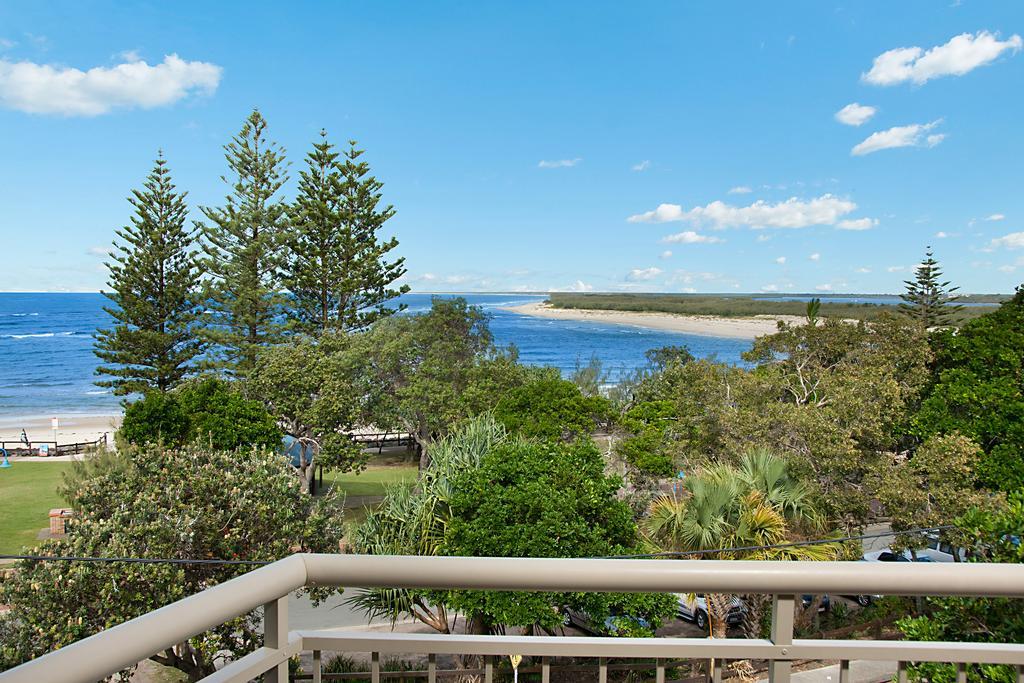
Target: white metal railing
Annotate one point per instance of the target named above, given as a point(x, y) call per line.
point(122, 646)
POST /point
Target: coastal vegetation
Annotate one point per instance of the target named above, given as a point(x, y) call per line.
point(745, 305)
point(153, 343)
point(844, 415)
point(192, 503)
point(828, 425)
point(929, 300)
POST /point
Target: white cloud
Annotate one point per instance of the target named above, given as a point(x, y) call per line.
point(666, 254)
point(7, 44)
point(823, 288)
point(899, 136)
point(963, 53)
point(740, 189)
point(942, 235)
point(643, 274)
point(689, 277)
point(770, 288)
point(763, 237)
point(1006, 269)
point(791, 213)
point(45, 89)
point(895, 269)
point(578, 286)
point(559, 163)
point(815, 256)
point(862, 270)
point(1015, 240)
point(857, 224)
point(855, 114)
point(781, 260)
point(995, 217)
point(690, 237)
point(642, 166)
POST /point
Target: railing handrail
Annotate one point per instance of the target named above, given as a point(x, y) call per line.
point(116, 648)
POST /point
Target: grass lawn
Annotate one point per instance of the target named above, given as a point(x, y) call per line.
point(28, 491)
point(371, 481)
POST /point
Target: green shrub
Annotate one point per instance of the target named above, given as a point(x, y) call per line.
point(550, 408)
point(210, 410)
point(156, 418)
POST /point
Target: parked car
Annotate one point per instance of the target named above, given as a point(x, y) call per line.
point(887, 555)
point(696, 610)
point(609, 627)
point(884, 555)
point(823, 606)
point(939, 551)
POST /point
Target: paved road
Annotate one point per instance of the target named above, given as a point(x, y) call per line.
point(860, 672)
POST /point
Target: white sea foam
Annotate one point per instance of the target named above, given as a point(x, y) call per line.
point(39, 335)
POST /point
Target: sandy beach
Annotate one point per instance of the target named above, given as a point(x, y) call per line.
point(71, 428)
point(735, 328)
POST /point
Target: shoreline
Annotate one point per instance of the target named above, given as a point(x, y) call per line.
point(73, 428)
point(708, 326)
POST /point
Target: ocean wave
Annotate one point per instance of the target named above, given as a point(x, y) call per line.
point(97, 393)
point(38, 335)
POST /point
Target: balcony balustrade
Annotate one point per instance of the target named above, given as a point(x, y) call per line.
point(107, 652)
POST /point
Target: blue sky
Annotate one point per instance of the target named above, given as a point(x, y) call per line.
point(530, 145)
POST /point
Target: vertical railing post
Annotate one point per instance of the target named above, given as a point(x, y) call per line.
point(783, 607)
point(318, 669)
point(275, 635)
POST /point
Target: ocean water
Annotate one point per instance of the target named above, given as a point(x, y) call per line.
point(47, 366)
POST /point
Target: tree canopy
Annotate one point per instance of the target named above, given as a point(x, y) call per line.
point(548, 407)
point(336, 268)
point(979, 391)
point(153, 343)
point(192, 502)
point(426, 373)
point(928, 299)
point(208, 410)
point(244, 241)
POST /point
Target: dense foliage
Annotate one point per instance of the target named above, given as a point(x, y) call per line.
point(336, 268)
point(153, 271)
point(548, 407)
point(752, 508)
point(429, 372)
point(309, 385)
point(243, 241)
point(485, 493)
point(533, 499)
point(979, 391)
point(739, 305)
point(208, 410)
point(936, 485)
point(192, 502)
point(995, 537)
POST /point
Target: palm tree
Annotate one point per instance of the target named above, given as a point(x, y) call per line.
point(740, 514)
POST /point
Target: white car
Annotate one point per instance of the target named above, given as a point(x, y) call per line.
point(888, 555)
point(939, 551)
point(695, 608)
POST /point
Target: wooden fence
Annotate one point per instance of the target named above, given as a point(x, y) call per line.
point(20, 448)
